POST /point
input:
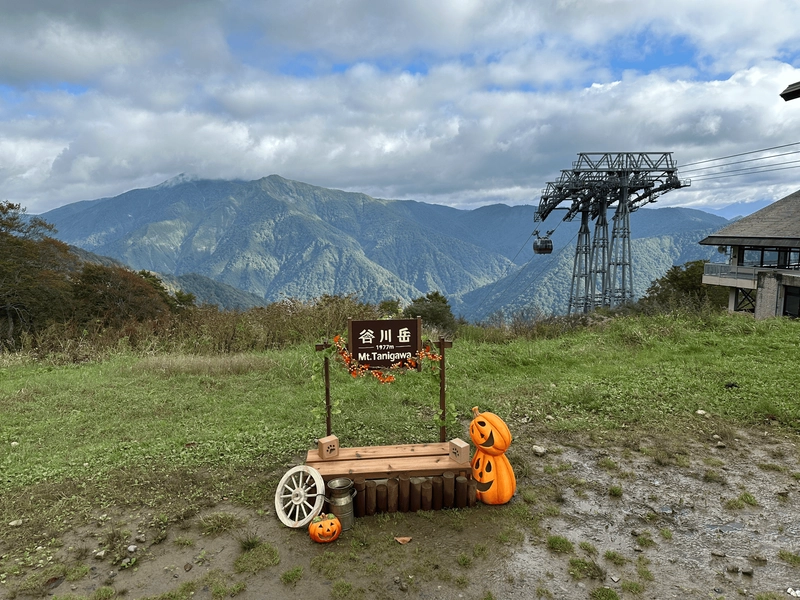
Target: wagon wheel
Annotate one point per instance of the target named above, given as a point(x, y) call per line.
point(299, 497)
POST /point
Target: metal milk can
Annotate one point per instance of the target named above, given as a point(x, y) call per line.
point(341, 500)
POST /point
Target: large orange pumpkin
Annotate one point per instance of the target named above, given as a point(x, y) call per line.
point(489, 433)
point(325, 528)
point(494, 476)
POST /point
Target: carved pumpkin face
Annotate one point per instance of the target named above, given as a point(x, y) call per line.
point(495, 478)
point(489, 433)
point(324, 528)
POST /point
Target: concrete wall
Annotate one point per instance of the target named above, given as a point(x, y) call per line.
point(769, 299)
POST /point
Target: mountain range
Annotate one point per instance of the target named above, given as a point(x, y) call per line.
point(274, 238)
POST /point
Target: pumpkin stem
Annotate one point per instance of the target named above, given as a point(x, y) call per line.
point(475, 411)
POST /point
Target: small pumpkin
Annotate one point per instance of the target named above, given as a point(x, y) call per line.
point(494, 476)
point(489, 432)
point(325, 528)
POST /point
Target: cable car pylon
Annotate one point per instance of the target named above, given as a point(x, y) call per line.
point(602, 273)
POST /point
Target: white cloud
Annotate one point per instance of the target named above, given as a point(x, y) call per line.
point(456, 102)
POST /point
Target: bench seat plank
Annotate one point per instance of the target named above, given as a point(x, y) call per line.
point(382, 462)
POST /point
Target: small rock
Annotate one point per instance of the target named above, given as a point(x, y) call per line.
point(539, 450)
point(732, 569)
point(100, 555)
point(404, 587)
point(635, 532)
point(615, 579)
point(125, 562)
point(397, 580)
point(718, 553)
point(758, 558)
point(14, 444)
point(721, 445)
point(549, 418)
point(700, 412)
point(715, 437)
point(112, 573)
point(141, 538)
point(747, 571)
point(187, 567)
point(15, 523)
point(132, 548)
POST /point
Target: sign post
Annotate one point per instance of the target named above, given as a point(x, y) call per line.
point(442, 388)
point(327, 376)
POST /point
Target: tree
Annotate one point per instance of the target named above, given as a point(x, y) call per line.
point(435, 311)
point(35, 272)
point(111, 296)
point(684, 285)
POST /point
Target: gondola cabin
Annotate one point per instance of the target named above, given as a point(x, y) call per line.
point(543, 246)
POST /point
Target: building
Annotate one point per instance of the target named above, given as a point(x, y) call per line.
point(763, 267)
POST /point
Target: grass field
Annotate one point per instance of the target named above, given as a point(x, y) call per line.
point(240, 411)
point(173, 431)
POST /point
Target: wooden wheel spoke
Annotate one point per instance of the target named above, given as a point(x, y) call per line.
point(299, 496)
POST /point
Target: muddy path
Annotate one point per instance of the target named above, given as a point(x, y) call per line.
point(711, 512)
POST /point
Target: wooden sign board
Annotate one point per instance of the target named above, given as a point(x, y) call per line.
point(385, 342)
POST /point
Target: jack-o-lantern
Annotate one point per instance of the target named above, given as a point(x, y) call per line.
point(495, 478)
point(491, 470)
point(489, 432)
point(324, 528)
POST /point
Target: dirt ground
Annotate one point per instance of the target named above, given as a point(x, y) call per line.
point(711, 512)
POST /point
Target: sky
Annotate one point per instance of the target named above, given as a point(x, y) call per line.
point(455, 102)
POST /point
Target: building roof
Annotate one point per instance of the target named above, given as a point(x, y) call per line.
point(776, 225)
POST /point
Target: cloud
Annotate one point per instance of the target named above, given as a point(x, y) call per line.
point(456, 102)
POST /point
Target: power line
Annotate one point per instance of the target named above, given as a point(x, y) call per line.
point(700, 162)
point(739, 162)
point(747, 172)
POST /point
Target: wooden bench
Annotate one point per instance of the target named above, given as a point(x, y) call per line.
point(386, 462)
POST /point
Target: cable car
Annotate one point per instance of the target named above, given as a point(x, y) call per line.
point(542, 245)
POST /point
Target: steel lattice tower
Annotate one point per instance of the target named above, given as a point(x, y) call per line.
point(602, 273)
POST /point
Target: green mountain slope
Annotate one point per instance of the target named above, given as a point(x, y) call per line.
point(277, 238)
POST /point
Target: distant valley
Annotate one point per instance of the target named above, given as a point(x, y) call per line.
point(245, 243)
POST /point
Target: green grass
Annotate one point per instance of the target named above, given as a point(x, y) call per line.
point(789, 557)
point(743, 500)
point(615, 558)
point(632, 587)
point(581, 569)
point(603, 594)
point(176, 432)
point(558, 543)
point(292, 576)
point(257, 559)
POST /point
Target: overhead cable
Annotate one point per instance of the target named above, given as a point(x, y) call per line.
point(700, 162)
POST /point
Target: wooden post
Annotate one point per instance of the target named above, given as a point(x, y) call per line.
point(442, 388)
point(461, 492)
point(359, 505)
point(472, 492)
point(405, 492)
point(381, 497)
point(414, 497)
point(438, 484)
point(448, 489)
point(426, 496)
point(370, 492)
point(392, 489)
point(327, 377)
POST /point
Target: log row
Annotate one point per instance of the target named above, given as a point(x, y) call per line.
point(410, 494)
